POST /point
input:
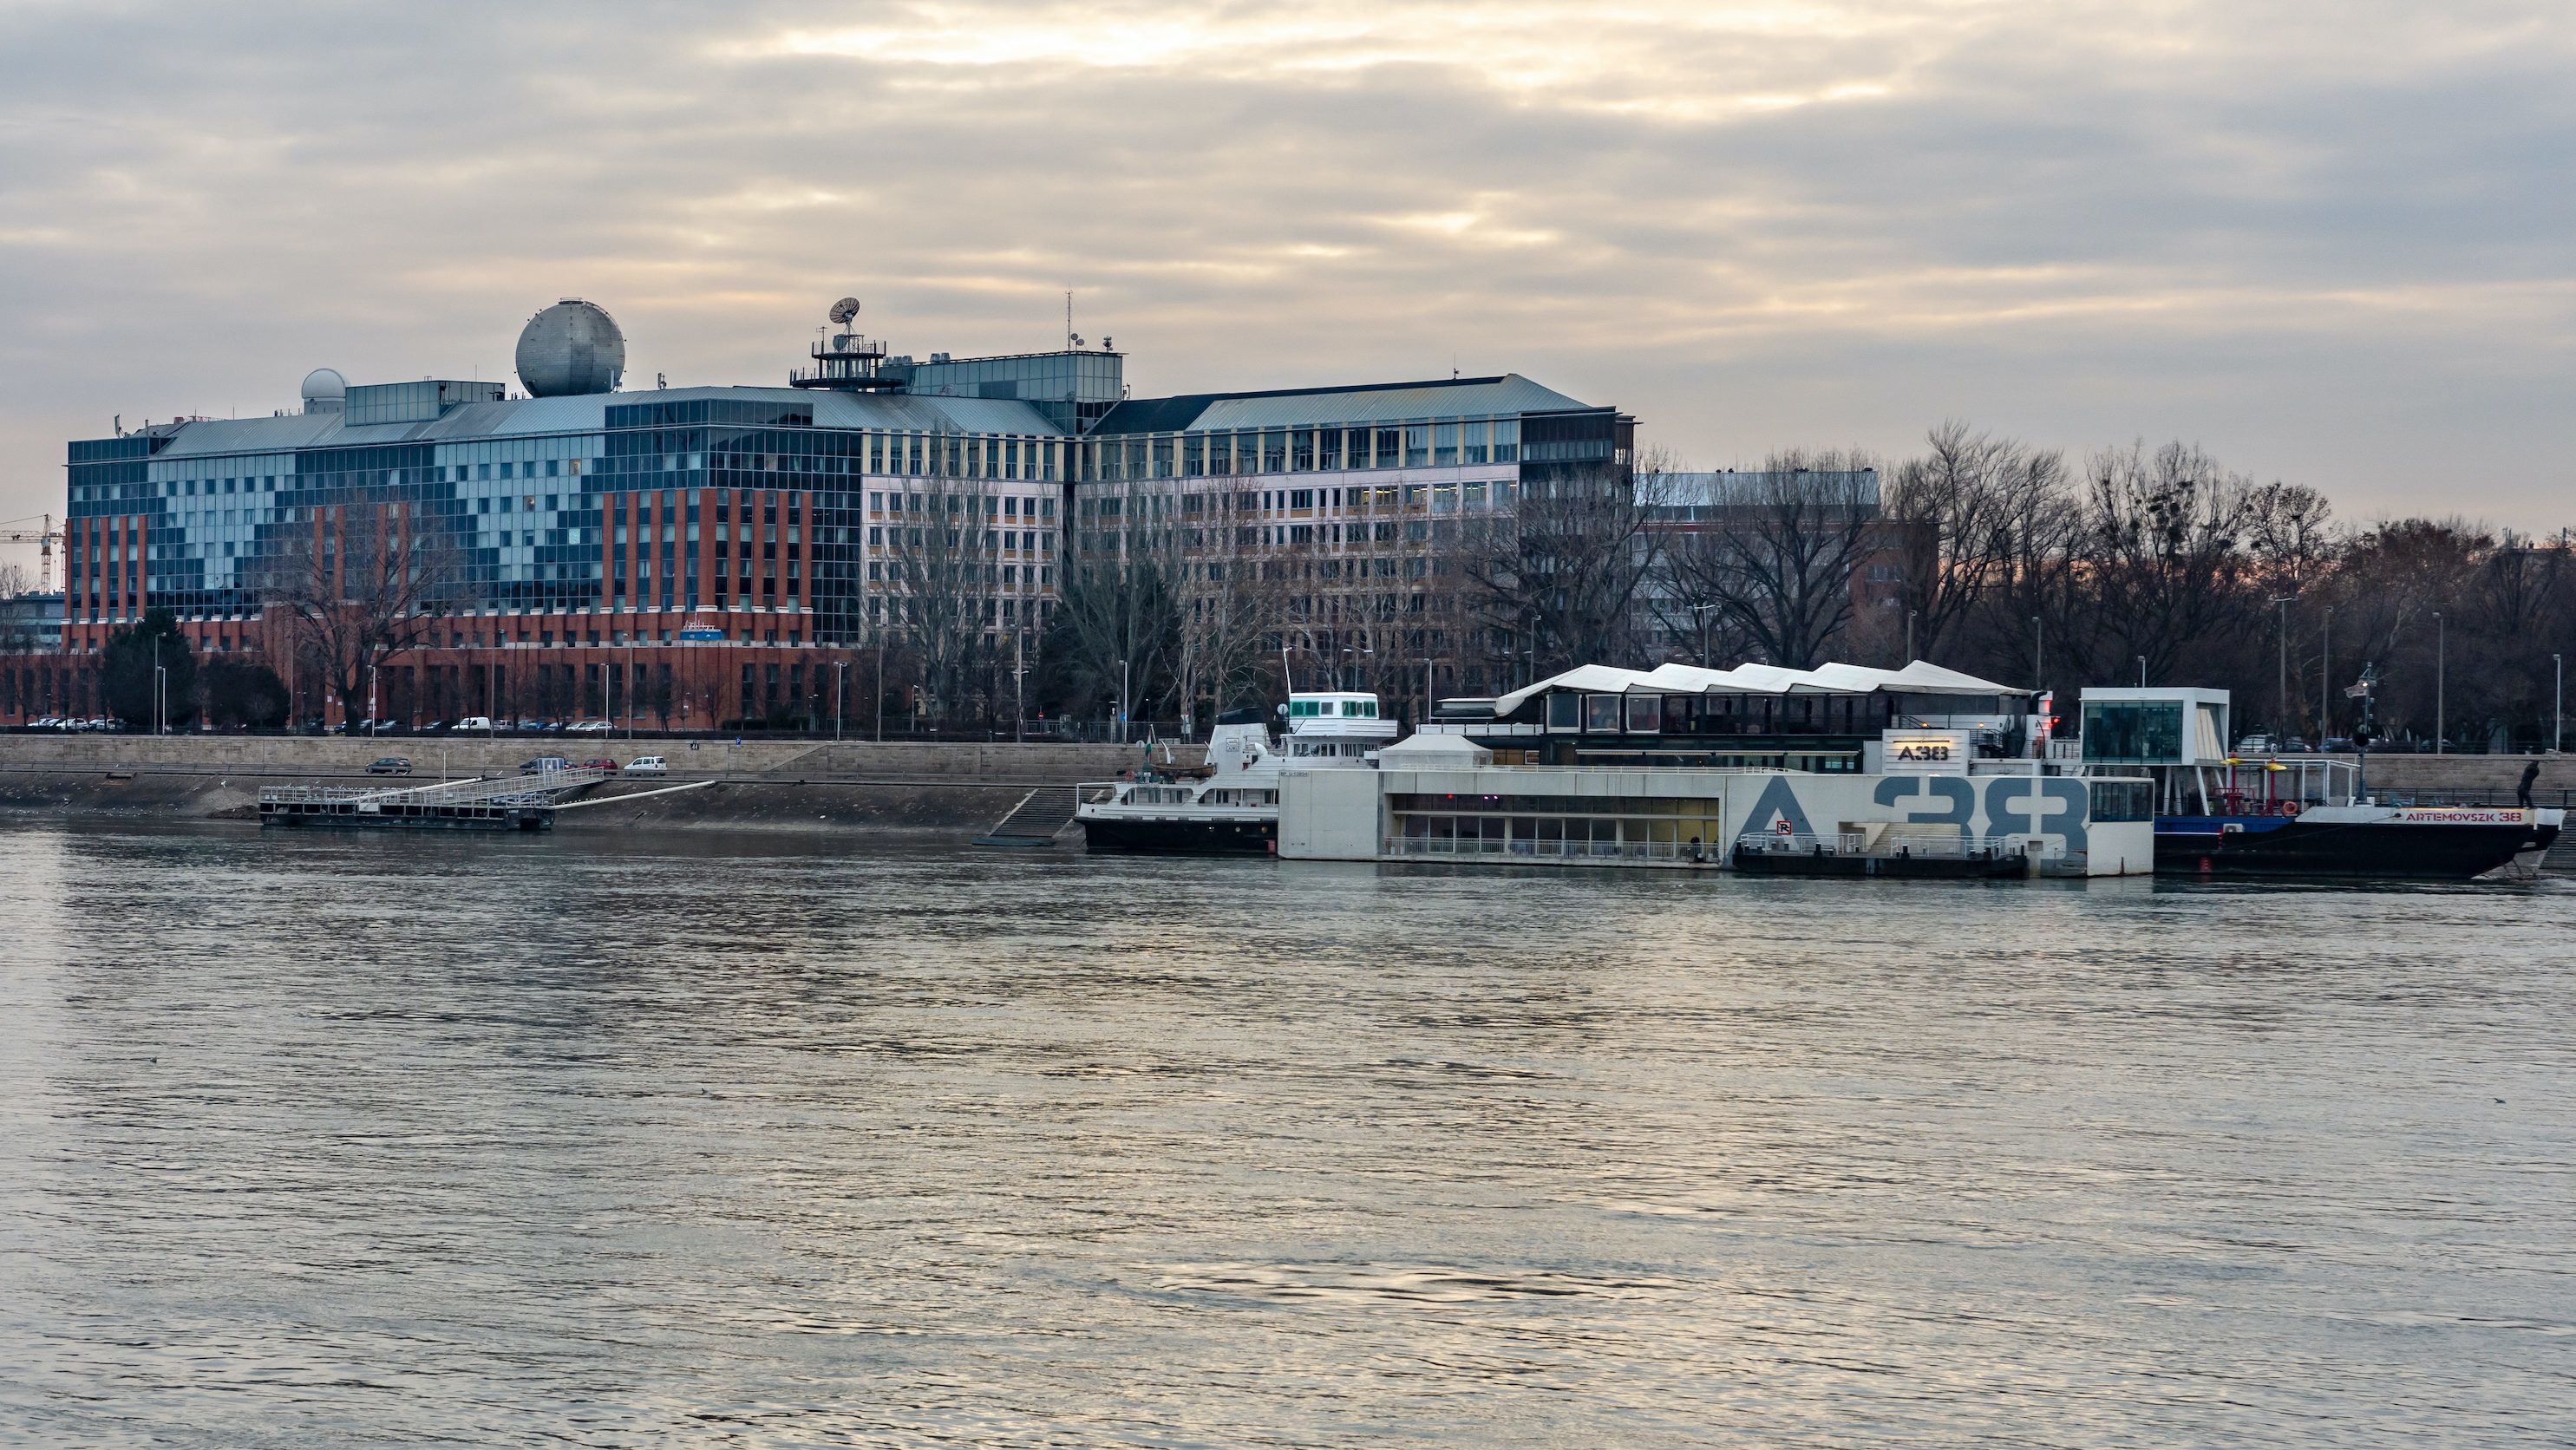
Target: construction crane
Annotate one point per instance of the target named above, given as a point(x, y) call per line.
point(45, 536)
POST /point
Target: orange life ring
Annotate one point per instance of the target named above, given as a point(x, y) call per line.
point(2289, 808)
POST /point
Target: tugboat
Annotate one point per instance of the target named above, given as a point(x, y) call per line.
point(1230, 805)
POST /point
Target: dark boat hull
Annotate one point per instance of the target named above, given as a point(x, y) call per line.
point(1920, 868)
point(1144, 837)
point(2376, 850)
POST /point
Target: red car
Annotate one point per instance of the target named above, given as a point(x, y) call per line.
point(601, 764)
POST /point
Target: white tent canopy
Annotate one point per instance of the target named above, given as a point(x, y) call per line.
point(1435, 752)
point(1921, 677)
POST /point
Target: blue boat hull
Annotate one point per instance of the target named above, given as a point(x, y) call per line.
point(2274, 846)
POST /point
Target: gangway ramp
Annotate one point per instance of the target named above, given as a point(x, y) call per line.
point(1037, 820)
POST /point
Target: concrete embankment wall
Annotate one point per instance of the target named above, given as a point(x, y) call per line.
point(2410, 774)
point(800, 784)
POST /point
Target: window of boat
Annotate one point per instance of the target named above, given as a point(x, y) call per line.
point(2122, 800)
point(1564, 711)
point(1601, 714)
point(1645, 714)
point(2140, 732)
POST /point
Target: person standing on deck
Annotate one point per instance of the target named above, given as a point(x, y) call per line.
point(2522, 792)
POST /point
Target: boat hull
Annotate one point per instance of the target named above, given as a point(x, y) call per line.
point(2387, 850)
point(1148, 836)
point(1997, 867)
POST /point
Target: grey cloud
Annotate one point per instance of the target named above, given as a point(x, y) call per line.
point(2329, 242)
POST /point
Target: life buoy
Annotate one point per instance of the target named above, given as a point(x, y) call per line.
point(2289, 808)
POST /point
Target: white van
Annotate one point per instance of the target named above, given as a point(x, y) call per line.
point(473, 722)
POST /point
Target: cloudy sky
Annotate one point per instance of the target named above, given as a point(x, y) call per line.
point(2329, 241)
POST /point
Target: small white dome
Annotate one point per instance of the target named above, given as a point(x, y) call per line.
point(325, 391)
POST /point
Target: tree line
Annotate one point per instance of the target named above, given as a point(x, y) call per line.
point(2023, 565)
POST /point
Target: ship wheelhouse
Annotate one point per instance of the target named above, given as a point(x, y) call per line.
point(1335, 727)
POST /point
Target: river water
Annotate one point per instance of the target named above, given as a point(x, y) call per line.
point(339, 1139)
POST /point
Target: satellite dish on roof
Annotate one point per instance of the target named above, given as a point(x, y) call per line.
point(845, 310)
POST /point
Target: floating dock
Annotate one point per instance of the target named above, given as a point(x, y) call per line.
point(522, 803)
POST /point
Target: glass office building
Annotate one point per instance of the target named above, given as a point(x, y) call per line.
point(771, 520)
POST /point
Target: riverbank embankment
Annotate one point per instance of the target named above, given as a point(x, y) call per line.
point(797, 784)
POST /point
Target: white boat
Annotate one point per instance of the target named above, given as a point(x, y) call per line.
point(1230, 805)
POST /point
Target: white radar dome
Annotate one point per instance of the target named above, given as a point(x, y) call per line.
point(569, 349)
point(325, 391)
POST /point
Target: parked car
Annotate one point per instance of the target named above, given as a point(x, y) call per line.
point(602, 763)
point(434, 727)
point(475, 722)
point(530, 727)
point(544, 763)
point(48, 723)
point(587, 727)
point(647, 765)
point(389, 765)
point(2256, 745)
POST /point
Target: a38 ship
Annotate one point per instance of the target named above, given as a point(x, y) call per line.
point(1230, 805)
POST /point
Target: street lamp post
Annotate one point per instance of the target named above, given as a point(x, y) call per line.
point(2142, 672)
point(1909, 636)
point(1703, 611)
point(2325, 678)
point(2441, 661)
point(2283, 715)
point(840, 682)
point(2558, 719)
point(1122, 702)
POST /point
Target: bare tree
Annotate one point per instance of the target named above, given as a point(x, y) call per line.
point(1222, 611)
point(1775, 553)
point(359, 585)
point(2164, 535)
point(1114, 631)
point(1952, 517)
point(945, 609)
point(1568, 567)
